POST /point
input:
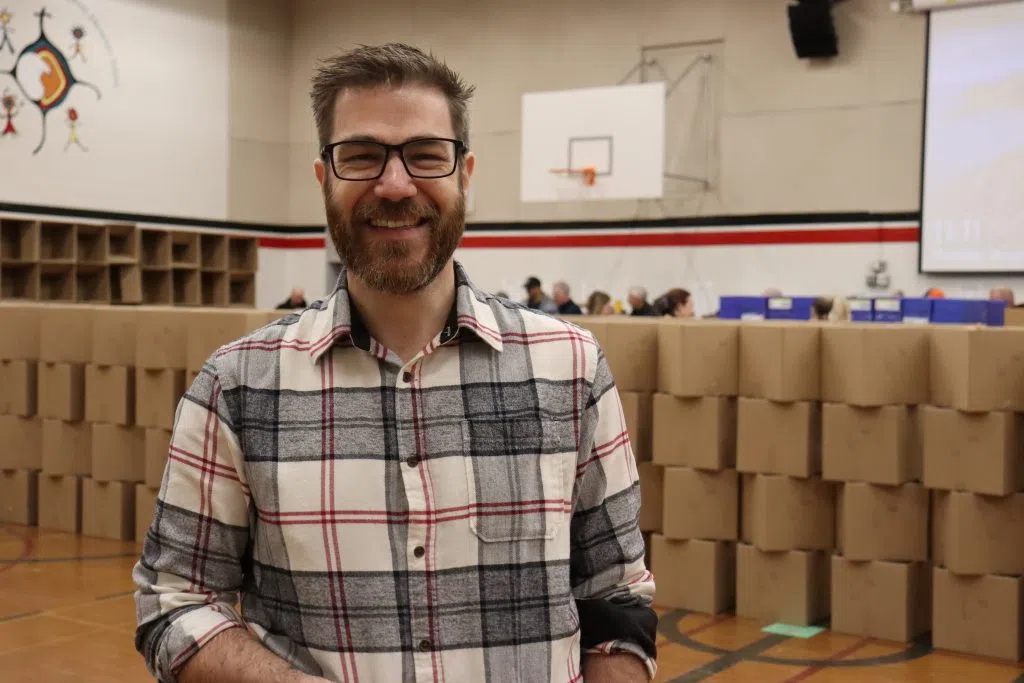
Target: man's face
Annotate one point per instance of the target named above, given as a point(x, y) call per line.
point(559, 295)
point(635, 301)
point(395, 233)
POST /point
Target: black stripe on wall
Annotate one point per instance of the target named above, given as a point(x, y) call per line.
point(561, 226)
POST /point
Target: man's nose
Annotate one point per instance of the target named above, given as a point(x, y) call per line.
point(396, 183)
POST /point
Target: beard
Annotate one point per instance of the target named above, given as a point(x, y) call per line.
point(389, 266)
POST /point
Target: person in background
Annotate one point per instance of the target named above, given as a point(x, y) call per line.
point(536, 298)
point(821, 307)
point(638, 302)
point(771, 292)
point(675, 303)
point(1002, 294)
point(600, 303)
point(833, 309)
point(565, 304)
point(297, 299)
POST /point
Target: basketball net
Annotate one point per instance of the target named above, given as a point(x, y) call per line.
point(579, 183)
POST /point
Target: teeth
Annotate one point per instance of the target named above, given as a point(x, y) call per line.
point(407, 223)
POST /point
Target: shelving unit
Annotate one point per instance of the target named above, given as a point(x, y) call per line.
point(120, 263)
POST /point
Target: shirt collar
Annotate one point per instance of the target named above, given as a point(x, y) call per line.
point(339, 321)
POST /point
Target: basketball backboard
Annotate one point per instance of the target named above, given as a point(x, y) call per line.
point(616, 134)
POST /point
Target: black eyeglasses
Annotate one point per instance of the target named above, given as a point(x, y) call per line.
point(367, 159)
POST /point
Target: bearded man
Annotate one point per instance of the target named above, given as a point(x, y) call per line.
point(411, 479)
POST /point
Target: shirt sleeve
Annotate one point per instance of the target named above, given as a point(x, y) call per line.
point(190, 570)
point(611, 583)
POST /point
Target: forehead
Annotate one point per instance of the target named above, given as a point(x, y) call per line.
point(392, 114)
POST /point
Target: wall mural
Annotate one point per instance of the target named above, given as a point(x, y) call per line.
point(42, 73)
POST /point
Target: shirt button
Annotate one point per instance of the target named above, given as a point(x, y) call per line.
point(419, 551)
point(407, 377)
point(425, 645)
point(412, 461)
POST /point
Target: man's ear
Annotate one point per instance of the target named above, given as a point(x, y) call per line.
point(320, 169)
point(468, 164)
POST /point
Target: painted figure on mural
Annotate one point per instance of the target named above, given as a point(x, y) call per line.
point(76, 48)
point(9, 105)
point(6, 30)
point(73, 124)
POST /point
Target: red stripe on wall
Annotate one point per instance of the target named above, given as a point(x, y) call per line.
point(293, 243)
point(699, 238)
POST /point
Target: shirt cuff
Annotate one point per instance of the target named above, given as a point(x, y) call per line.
point(187, 634)
point(626, 647)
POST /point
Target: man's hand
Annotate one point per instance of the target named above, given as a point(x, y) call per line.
point(620, 667)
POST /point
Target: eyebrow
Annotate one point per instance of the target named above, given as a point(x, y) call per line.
point(374, 138)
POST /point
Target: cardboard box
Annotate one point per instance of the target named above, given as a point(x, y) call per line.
point(977, 369)
point(118, 453)
point(108, 509)
point(694, 432)
point(161, 339)
point(652, 486)
point(61, 391)
point(21, 327)
point(792, 587)
point(694, 575)
point(874, 364)
point(113, 336)
point(630, 344)
point(637, 410)
point(979, 534)
point(978, 615)
point(1013, 317)
point(18, 497)
point(60, 503)
point(157, 442)
point(778, 438)
point(700, 504)
point(110, 394)
point(210, 329)
point(698, 357)
point(67, 447)
point(879, 445)
point(157, 393)
point(887, 600)
point(21, 443)
point(65, 333)
point(883, 522)
point(18, 387)
point(976, 452)
point(145, 507)
point(785, 513)
point(780, 361)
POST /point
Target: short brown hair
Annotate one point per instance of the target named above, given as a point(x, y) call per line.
point(390, 65)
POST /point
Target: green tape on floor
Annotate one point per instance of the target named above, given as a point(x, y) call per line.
point(793, 631)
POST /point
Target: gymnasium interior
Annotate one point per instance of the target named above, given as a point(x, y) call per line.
point(791, 225)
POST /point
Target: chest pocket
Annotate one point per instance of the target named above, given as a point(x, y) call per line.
point(520, 475)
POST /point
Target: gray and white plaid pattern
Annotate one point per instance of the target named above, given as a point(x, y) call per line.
point(469, 516)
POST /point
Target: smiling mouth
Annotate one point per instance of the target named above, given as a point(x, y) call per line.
point(404, 223)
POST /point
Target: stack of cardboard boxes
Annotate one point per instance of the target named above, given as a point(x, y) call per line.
point(788, 510)
point(87, 402)
point(881, 473)
point(872, 384)
point(973, 465)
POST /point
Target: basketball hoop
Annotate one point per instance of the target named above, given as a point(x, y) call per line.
point(587, 173)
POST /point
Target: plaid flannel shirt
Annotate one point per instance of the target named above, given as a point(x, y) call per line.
point(471, 515)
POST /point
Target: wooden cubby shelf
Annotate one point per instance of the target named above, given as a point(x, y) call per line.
point(19, 241)
point(53, 260)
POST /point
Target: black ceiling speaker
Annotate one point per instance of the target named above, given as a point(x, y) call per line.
point(812, 30)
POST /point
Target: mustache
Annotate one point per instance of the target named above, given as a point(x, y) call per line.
point(395, 211)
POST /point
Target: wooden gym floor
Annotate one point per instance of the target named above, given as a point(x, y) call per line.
point(67, 615)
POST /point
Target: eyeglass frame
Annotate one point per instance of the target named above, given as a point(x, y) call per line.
point(326, 154)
